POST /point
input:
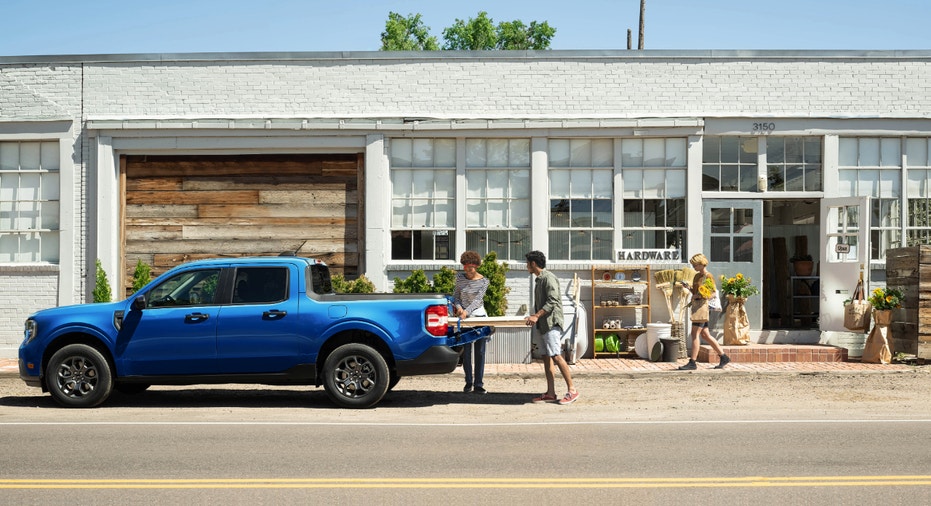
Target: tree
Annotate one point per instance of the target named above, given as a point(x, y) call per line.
point(516, 35)
point(478, 33)
point(407, 34)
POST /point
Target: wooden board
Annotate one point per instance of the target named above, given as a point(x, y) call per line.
point(181, 208)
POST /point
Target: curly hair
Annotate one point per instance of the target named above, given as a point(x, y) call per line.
point(537, 257)
point(470, 257)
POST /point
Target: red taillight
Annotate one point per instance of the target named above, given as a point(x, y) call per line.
point(437, 320)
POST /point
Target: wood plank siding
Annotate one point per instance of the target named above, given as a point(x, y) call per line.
point(182, 208)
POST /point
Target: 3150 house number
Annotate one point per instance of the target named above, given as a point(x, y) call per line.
point(764, 127)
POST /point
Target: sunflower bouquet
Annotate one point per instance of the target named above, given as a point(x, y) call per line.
point(738, 286)
point(706, 290)
point(888, 298)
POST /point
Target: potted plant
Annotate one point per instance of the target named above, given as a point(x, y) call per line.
point(879, 345)
point(803, 264)
point(884, 300)
point(736, 321)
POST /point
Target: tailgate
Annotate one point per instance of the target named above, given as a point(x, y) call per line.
point(466, 335)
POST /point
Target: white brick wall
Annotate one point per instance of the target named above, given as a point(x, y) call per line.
point(558, 85)
point(615, 87)
point(22, 293)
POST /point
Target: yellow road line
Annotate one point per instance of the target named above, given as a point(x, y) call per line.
point(475, 483)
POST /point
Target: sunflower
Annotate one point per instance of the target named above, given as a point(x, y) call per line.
point(738, 286)
point(886, 298)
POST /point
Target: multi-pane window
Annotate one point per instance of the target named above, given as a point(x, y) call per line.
point(843, 228)
point(654, 175)
point(29, 202)
point(423, 199)
point(872, 167)
point(730, 164)
point(794, 163)
point(918, 191)
point(731, 234)
point(498, 196)
point(581, 175)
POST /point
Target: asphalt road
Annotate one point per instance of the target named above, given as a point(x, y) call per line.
point(707, 439)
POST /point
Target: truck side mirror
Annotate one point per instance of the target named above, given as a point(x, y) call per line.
point(139, 303)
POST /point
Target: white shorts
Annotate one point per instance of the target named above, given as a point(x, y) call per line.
point(552, 341)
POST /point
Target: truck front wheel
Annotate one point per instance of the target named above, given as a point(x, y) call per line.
point(79, 376)
point(356, 376)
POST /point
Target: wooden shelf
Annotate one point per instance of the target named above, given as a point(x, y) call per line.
point(602, 288)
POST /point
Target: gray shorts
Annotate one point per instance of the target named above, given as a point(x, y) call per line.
point(552, 341)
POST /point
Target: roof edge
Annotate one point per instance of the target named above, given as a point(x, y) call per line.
point(671, 54)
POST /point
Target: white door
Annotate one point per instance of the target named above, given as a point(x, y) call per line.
point(733, 243)
point(845, 250)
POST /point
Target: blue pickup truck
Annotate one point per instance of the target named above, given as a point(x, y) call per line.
point(266, 320)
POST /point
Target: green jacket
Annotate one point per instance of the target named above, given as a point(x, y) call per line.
point(546, 296)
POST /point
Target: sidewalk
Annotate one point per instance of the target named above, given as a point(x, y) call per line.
point(636, 366)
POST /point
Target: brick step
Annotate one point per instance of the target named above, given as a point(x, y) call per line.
point(776, 353)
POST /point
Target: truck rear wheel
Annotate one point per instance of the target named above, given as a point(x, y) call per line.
point(356, 376)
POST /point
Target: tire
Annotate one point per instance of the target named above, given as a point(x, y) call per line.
point(355, 376)
point(79, 376)
point(394, 381)
point(131, 388)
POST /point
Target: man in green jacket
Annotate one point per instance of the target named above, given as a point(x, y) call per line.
point(547, 321)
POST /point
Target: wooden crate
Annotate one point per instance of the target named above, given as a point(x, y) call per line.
point(909, 269)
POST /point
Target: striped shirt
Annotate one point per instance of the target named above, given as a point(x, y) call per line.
point(469, 293)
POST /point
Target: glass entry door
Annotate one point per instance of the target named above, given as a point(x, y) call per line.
point(733, 243)
point(844, 255)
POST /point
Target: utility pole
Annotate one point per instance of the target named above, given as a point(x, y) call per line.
point(643, 7)
point(629, 40)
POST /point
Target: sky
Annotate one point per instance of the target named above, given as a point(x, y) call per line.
point(63, 27)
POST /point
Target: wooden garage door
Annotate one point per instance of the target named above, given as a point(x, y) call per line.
point(182, 208)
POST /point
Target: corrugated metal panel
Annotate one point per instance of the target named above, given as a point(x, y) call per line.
point(509, 345)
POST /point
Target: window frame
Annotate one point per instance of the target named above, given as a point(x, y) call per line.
point(581, 164)
point(509, 239)
point(810, 164)
point(428, 241)
point(38, 205)
point(884, 187)
point(636, 236)
point(917, 191)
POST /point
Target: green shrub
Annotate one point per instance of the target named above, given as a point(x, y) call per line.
point(444, 281)
point(141, 276)
point(496, 303)
point(358, 285)
point(102, 291)
point(416, 283)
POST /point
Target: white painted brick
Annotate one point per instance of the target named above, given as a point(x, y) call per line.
point(22, 294)
point(560, 86)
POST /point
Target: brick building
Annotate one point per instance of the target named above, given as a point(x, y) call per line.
point(381, 163)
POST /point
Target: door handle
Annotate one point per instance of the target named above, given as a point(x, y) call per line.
point(274, 314)
point(196, 317)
